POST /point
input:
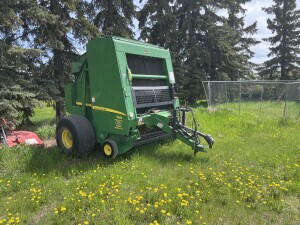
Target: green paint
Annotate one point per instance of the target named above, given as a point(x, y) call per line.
point(102, 90)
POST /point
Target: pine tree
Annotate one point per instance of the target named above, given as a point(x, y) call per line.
point(112, 17)
point(157, 22)
point(203, 43)
point(17, 94)
point(241, 39)
point(58, 38)
point(161, 24)
point(284, 53)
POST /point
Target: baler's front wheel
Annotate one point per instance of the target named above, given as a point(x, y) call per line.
point(75, 135)
point(109, 149)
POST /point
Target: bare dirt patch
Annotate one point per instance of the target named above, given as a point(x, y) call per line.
point(50, 143)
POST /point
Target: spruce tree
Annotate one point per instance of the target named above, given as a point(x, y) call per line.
point(160, 24)
point(58, 38)
point(112, 17)
point(241, 40)
point(157, 22)
point(17, 93)
point(284, 53)
point(203, 43)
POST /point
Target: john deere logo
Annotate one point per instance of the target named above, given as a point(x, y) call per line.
point(146, 52)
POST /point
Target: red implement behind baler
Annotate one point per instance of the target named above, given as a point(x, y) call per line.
point(12, 138)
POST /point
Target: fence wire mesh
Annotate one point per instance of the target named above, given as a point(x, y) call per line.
point(274, 99)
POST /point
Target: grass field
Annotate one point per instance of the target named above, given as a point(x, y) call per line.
point(251, 176)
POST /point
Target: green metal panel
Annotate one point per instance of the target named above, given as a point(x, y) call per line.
point(107, 97)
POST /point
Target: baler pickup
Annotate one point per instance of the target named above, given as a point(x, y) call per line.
point(123, 95)
point(174, 126)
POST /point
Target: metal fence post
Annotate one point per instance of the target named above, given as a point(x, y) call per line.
point(285, 102)
point(226, 99)
point(298, 101)
point(240, 96)
point(261, 96)
point(209, 94)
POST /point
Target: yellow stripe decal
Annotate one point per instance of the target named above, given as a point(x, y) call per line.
point(102, 109)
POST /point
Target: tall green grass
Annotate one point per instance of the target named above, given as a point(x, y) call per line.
point(251, 176)
point(44, 122)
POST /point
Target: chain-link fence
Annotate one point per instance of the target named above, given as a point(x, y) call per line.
point(265, 98)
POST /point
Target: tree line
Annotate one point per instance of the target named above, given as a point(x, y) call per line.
point(208, 39)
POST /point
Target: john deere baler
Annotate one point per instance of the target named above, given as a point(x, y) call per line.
point(123, 95)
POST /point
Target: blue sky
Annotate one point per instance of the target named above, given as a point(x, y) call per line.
point(254, 13)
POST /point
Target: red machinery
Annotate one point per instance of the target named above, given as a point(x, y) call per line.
point(12, 138)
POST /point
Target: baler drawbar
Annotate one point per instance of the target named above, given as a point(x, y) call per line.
point(123, 95)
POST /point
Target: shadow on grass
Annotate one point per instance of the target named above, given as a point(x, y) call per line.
point(51, 160)
point(163, 153)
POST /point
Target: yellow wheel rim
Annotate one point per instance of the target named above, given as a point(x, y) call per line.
point(107, 150)
point(67, 139)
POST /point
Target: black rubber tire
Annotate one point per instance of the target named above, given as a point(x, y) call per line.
point(82, 133)
point(114, 148)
